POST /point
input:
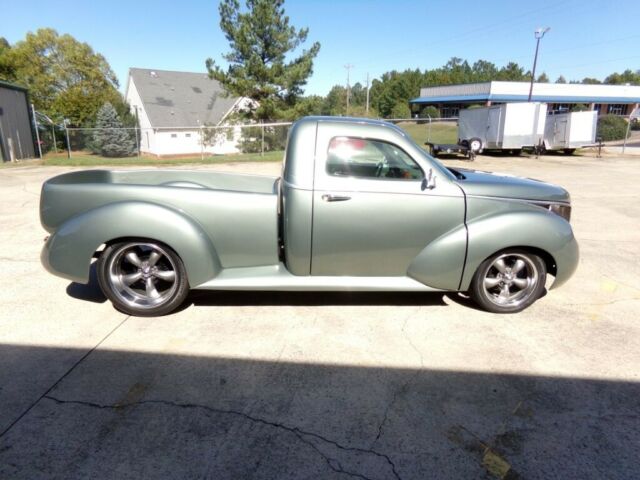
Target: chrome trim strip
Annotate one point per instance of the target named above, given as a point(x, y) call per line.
point(522, 200)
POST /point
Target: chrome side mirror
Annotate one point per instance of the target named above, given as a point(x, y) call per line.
point(429, 182)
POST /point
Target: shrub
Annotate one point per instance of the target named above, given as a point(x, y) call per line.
point(429, 111)
point(635, 124)
point(611, 127)
point(580, 107)
point(401, 110)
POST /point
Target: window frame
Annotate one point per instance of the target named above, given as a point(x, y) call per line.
point(363, 178)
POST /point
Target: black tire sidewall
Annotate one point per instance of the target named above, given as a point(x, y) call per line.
point(169, 306)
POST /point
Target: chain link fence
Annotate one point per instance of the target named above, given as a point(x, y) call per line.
point(197, 142)
point(204, 142)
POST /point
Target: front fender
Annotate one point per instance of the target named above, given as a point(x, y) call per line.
point(68, 252)
point(534, 229)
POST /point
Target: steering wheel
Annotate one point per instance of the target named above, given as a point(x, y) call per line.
point(380, 166)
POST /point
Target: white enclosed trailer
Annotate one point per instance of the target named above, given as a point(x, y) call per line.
point(571, 130)
point(509, 126)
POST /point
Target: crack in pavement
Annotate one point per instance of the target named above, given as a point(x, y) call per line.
point(304, 436)
point(404, 386)
point(64, 375)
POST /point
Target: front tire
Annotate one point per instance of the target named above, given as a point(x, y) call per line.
point(509, 281)
point(142, 278)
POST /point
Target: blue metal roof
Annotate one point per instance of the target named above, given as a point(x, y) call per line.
point(523, 98)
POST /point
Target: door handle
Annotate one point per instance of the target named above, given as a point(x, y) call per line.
point(327, 197)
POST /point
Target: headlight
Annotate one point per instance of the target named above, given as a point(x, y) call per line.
point(561, 209)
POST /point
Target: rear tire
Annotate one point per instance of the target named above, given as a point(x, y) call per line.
point(142, 278)
point(509, 281)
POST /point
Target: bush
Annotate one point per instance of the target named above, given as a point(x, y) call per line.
point(401, 110)
point(635, 124)
point(580, 107)
point(429, 112)
point(611, 127)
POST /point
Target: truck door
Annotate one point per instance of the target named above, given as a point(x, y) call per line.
point(371, 214)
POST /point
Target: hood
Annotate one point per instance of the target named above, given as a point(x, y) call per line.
point(504, 185)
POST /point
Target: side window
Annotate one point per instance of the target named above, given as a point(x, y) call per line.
point(372, 159)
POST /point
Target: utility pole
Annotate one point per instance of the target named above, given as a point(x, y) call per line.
point(348, 66)
point(539, 33)
point(367, 104)
point(35, 123)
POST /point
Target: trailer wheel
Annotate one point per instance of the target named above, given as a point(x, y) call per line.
point(569, 151)
point(475, 144)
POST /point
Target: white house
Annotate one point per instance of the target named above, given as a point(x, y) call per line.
point(174, 108)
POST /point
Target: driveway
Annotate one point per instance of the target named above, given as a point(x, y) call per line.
point(301, 385)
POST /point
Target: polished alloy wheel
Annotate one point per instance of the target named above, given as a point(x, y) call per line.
point(142, 275)
point(511, 280)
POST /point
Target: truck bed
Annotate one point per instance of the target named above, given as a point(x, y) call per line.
point(238, 212)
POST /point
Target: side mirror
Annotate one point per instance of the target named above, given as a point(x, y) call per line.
point(429, 182)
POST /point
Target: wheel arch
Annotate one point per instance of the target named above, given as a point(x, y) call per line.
point(543, 233)
point(69, 251)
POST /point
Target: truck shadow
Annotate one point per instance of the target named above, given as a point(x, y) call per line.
point(260, 298)
point(92, 293)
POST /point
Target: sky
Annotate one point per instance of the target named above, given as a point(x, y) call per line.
point(587, 38)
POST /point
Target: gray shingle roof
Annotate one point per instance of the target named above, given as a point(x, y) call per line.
point(181, 99)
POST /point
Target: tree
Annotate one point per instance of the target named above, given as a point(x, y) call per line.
point(65, 78)
point(7, 70)
point(110, 139)
point(335, 103)
point(543, 78)
point(561, 79)
point(628, 76)
point(513, 72)
point(591, 81)
point(262, 42)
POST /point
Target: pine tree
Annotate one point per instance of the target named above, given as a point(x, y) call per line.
point(260, 65)
point(110, 139)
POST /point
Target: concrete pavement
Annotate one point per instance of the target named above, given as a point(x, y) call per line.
point(246, 385)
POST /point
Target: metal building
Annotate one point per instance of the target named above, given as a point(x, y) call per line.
point(606, 99)
point(16, 128)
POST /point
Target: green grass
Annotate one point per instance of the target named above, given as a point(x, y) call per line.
point(82, 159)
point(441, 132)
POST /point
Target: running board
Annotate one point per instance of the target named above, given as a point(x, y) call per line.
point(278, 278)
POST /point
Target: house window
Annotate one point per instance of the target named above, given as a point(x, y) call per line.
point(174, 135)
point(188, 135)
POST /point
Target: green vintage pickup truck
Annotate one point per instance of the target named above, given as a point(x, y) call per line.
point(359, 207)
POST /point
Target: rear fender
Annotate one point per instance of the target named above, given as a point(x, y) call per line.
point(69, 250)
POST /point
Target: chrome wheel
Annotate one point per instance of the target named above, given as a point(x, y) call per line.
point(142, 275)
point(511, 280)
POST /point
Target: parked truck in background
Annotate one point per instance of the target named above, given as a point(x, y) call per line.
point(359, 207)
